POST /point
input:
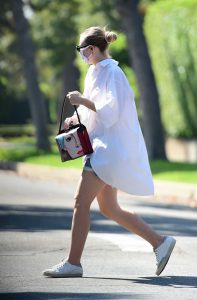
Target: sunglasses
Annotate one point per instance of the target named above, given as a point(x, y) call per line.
point(82, 47)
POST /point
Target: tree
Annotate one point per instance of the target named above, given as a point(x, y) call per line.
point(27, 54)
point(151, 122)
point(56, 39)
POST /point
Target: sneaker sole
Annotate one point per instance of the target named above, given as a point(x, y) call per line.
point(62, 275)
point(165, 259)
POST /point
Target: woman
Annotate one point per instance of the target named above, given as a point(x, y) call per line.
point(119, 160)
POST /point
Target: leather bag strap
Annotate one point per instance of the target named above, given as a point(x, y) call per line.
point(62, 111)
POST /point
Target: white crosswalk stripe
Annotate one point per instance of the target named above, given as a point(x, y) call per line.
point(126, 242)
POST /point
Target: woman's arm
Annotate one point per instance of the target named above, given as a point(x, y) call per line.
point(76, 98)
point(88, 103)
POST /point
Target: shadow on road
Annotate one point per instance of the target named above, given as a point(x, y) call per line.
point(70, 296)
point(174, 281)
point(38, 218)
point(171, 281)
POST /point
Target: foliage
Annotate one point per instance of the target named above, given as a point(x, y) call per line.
point(11, 80)
point(170, 28)
point(13, 109)
point(97, 13)
point(56, 26)
point(54, 34)
point(25, 130)
point(54, 31)
point(119, 52)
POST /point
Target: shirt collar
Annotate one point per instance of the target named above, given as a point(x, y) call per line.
point(105, 62)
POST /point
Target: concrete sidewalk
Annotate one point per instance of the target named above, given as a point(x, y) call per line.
point(172, 192)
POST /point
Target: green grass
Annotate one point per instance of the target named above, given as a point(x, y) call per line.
point(162, 170)
point(53, 159)
point(31, 155)
point(174, 171)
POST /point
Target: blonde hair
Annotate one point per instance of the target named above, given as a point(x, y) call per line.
point(98, 36)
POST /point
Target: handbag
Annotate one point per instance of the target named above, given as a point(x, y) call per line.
point(73, 142)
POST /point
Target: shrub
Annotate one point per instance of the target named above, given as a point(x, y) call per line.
point(170, 28)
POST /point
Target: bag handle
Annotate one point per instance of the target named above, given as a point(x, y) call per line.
point(63, 104)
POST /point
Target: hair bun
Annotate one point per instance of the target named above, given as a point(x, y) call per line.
point(110, 36)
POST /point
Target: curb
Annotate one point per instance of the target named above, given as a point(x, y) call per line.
point(41, 172)
point(176, 192)
point(171, 192)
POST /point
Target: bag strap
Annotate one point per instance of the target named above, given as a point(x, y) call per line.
point(63, 104)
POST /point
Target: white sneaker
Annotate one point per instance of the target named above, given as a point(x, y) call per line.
point(64, 269)
point(163, 253)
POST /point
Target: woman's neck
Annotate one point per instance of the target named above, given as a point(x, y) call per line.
point(101, 57)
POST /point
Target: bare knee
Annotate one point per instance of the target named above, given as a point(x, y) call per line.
point(110, 212)
point(108, 204)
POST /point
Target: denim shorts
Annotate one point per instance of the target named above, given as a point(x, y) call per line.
point(88, 167)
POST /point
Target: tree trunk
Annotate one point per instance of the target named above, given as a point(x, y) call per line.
point(149, 102)
point(70, 76)
point(35, 97)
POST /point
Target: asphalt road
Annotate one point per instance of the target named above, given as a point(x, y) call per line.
point(35, 221)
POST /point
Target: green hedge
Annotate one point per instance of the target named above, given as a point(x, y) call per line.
point(170, 28)
point(16, 130)
point(9, 131)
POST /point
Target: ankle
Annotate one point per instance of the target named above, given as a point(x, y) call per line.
point(158, 242)
point(74, 262)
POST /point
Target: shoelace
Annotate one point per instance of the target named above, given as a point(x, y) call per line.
point(58, 266)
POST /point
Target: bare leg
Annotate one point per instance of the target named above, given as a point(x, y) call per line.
point(107, 200)
point(88, 188)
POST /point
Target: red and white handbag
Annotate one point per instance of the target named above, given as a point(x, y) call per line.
point(75, 141)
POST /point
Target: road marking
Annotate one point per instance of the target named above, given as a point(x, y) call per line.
point(126, 242)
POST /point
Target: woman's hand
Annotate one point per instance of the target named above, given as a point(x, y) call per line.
point(70, 121)
point(75, 98)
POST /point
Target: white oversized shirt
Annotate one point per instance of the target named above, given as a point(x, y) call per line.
point(120, 157)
